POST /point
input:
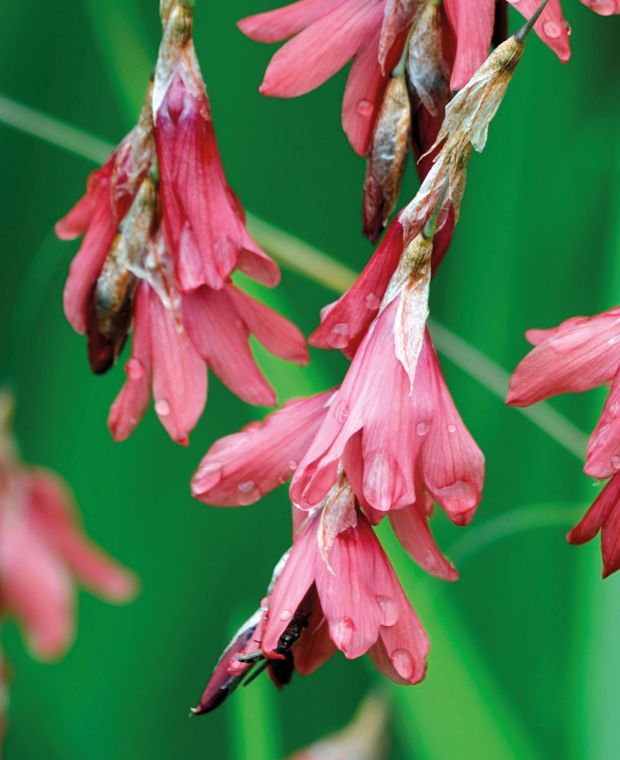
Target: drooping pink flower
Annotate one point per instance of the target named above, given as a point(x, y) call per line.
point(327, 34)
point(402, 429)
point(44, 552)
point(337, 553)
point(203, 220)
point(580, 354)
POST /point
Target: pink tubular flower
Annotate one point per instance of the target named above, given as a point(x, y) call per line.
point(203, 221)
point(43, 551)
point(364, 605)
point(163, 234)
point(400, 428)
point(580, 354)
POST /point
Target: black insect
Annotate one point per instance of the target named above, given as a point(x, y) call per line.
point(281, 669)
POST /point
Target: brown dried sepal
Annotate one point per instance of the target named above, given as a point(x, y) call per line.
point(387, 158)
point(110, 312)
point(428, 76)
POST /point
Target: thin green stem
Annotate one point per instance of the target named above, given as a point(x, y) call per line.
point(314, 264)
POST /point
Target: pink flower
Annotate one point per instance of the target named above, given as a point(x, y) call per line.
point(43, 552)
point(203, 220)
point(395, 430)
point(327, 34)
point(365, 609)
point(580, 354)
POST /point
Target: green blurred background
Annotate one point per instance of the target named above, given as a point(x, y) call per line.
point(526, 647)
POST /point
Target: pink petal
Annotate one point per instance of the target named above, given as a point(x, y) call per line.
point(241, 468)
point(133, 400)
point(598, 513)
point(345, 322)
point(402, 649)
point(277, 25)
point(551, 27)
point(222, 339)
point(363, 96)
point(603, 458)
point(53, 508)
point(319, 51)
point(610, 539)
point(290, 589)
point(603, 7)
point(575, 357)
point(279, 336)
point(411, 527)
point(77, 221)
point(472, 22)
point(452, 464)
point(179, 374)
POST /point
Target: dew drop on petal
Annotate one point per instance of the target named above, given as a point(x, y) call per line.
point(134, 369)
point(451, 428)
point(389, 609)
point(422, 428)
point(615, 462)
point(372, 301)
point(613, 340)
point(364, 107)
point(286, 615)
point(342, 632)
point(162, 407)
point(246, 486)
point(339, 336)
point(403, 662)
point(552, 29)
point(293, 464)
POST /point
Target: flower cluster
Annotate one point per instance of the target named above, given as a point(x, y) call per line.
point(388, 442)
point(163, 233)
point(43, 552)
point(580, 354)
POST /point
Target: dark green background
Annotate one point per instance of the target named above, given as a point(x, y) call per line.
point(526, 655)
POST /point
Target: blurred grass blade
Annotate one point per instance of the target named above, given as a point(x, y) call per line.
point(522, 520)
point(305, 259)
point(458, 711)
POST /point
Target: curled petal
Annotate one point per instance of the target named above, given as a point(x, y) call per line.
point(603, 458)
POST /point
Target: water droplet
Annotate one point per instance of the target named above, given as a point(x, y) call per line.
point(134, 369)
point(389, 610)
point(247, 486)
point(552, 29)
point(568, 27)
point(238, 323)
point(422, 428)
point(614, 409)
point(372, 301)
point(162, 407)
point(286, 615)
point(615, 462)
point(341, 412)
point(339, 336)
point(342, 632)
point(364, 107)
point(613, 340)
point(293, 464)
point(451, 428)
point(404, 663)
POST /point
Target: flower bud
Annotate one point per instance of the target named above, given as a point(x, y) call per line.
point(427, 73)
point(387, 159)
